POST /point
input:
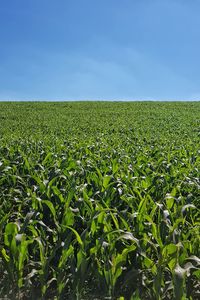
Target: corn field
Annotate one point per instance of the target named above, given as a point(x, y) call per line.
point(100, 200)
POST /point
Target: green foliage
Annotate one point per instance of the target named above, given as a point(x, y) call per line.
point(100, 200)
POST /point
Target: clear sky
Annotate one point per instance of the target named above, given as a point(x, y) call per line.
point(99, 49)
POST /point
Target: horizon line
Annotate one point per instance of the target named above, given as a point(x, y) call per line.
point(99, 100)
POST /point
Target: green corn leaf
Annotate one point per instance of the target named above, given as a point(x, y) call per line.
point(50, 206)
point(179, 282)
point(76, 234)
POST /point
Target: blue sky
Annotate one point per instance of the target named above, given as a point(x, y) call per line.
point(99, 49)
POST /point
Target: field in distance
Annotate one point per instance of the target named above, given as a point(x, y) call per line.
point(100, 200)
